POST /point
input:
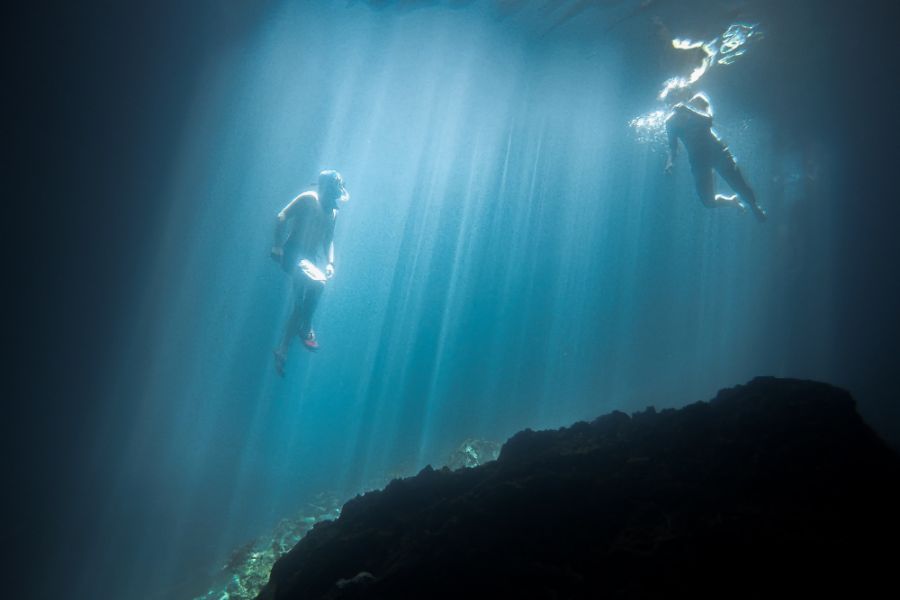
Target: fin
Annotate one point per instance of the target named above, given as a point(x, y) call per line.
point(309, 341)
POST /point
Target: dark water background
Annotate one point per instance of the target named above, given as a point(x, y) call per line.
point(511, 256)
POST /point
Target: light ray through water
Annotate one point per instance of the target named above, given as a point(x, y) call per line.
point(510, 258)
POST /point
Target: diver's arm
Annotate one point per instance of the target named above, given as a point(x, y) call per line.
point(280, 225)
point(279, 232)
point(673, 146)
point(277, 251)
point(329, 253)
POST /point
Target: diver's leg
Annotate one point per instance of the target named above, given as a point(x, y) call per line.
point(312, 281)
point(703, 167)
point(314, 291)
point(291, 328)
point(704, 183)
point(731, 173)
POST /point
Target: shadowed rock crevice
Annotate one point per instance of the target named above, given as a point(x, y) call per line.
point(771, 487)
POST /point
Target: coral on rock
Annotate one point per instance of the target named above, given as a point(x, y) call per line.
point(248, 567)
point(473, 453)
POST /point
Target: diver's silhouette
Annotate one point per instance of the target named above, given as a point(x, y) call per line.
point(691, 122)
point(311, 217)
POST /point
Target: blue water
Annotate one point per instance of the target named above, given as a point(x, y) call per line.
point(512, 256)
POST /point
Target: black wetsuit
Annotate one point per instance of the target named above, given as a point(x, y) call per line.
point(706, 152)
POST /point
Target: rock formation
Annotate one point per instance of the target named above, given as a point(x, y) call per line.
point(771, 488)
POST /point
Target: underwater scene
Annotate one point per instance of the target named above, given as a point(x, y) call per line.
point(462, 298)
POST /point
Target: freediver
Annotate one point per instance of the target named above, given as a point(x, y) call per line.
point(311, 218)
point(691, 122)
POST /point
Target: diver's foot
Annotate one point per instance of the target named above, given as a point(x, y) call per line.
point(280, 360)
point(732, 200)
point(760, 212)
point(309, 341)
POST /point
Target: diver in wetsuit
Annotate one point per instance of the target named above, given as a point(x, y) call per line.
point(691, 122)
point(310, 218)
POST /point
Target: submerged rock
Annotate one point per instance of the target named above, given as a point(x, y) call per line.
point(771, 488)
point(247, 569)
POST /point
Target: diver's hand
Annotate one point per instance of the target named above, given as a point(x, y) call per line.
point(329, 271)
point(669, 166)
point(276, 253)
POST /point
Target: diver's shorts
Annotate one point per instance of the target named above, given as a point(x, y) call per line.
point(311, 271)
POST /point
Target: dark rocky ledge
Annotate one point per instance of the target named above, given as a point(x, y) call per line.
point(775, 487)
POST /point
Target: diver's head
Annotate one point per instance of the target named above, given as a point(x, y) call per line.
point(700, 102)
point(676, 91)
point(331, 188)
